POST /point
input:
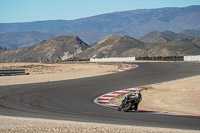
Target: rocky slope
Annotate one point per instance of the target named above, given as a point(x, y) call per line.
point(179, 47)
point(169, 35)
point(52, 50)
point(196, 41)
point(160, 40)
point(111, 46)
point(124, 46)
point(193, 33)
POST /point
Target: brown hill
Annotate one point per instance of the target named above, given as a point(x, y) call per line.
point(117, 46)
point(160, 40)
point(111, 46)
point(196, 41)
point(52, 50)
point(150, 37)
point(193, 33)
point(179, 47)
point(182, 47)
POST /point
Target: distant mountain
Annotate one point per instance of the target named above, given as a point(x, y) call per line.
point(193, 33)
point(14, 40)
point(135, 23)
point(41, 26)
point(169, 35)
point(52, 50)
point(111, 46)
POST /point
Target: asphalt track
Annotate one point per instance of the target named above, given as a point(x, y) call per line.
point(73, 99)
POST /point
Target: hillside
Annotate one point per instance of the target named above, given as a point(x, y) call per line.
point(124, 46)
point(169, 35)
point(111, 46)
point(52, 50)
point(193, 33)
point(135, 23)
point(2, 48)
point(196, 41)
point(179, 47)
point(160, 40)
point(183, 47)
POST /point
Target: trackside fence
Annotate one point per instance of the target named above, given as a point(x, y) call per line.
point(159, 58)
point(114, 59)
point(12, 72)
point(192, 58)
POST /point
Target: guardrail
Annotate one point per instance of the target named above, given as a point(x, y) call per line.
point(160, 58)
point(12, 72)
point(114, 59)
point(192, 58)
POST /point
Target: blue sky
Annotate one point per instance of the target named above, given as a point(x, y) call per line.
point(37, 10)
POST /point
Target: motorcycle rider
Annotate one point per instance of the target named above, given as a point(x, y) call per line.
point(136, 99)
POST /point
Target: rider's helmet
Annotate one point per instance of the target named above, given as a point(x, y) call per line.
point(137, 92)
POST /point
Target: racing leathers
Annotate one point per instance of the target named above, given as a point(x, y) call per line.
point(135, 98)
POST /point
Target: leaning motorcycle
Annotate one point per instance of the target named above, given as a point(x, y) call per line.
point(127, 104)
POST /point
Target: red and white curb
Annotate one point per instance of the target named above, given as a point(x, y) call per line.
point(104, 100)
point(128, 68)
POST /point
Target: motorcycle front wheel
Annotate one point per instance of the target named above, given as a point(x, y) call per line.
point(120, 108)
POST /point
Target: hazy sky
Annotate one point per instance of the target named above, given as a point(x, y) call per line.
point(37, 10)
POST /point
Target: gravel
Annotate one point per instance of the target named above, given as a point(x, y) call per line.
point(34, 125)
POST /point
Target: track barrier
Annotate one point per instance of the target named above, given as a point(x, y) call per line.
point(192, 58)
point(12, 72)
point(159, 58)
point(114, 59)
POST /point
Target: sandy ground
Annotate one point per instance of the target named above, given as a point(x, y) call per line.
point(40, 72)
point(178, 97)
point(30, 125)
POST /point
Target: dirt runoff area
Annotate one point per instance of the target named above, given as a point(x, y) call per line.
point(178, 97)
point(41, 72)
point(33, 125)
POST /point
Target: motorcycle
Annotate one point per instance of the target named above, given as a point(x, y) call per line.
point(128, 103)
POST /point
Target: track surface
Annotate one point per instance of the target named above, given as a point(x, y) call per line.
point(73, 99)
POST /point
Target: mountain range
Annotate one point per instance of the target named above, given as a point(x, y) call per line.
point(135, 23)
point(64, 48)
